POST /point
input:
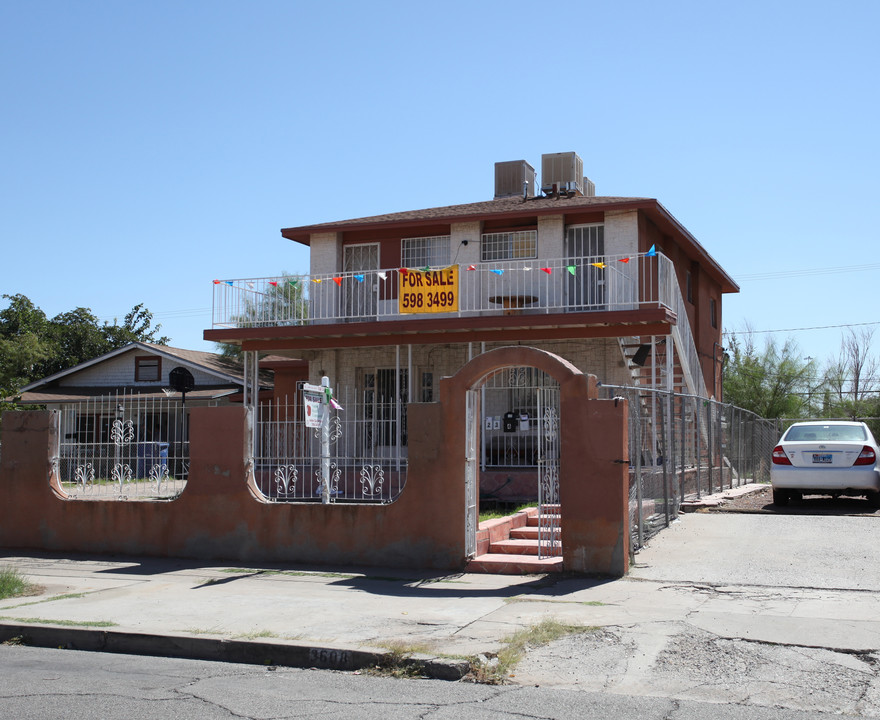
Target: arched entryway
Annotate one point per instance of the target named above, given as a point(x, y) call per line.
point(592, 484)
point(512, 428)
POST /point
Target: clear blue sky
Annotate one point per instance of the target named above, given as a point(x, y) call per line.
point(150, 147)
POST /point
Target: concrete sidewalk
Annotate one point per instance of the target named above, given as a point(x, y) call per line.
point(343, 619)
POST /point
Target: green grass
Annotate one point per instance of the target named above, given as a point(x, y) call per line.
point(516, 645)
point(14, 584)
point(494, 514)
point(398, 663)
point(65, 623)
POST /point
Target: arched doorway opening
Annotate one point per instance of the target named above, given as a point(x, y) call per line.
point(513, 451)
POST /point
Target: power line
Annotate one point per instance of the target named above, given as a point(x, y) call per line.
point(807, 272)
point(800, 329)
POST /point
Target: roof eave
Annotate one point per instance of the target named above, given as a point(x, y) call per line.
point(302, 234)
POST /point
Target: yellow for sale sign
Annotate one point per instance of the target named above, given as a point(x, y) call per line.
point(428, 291)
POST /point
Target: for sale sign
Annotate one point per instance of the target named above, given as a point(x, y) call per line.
point(313, 404)
point(428, 291)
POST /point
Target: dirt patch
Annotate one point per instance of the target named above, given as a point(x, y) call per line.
point(762, 502)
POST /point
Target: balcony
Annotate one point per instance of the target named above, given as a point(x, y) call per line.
point(610, 283)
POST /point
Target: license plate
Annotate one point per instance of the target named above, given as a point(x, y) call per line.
point(821, 457)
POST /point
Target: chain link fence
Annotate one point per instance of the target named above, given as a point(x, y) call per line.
point(685, 446)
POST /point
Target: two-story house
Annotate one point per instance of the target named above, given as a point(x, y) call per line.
point(615, 285)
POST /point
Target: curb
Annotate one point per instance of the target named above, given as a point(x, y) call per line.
point(249, 652)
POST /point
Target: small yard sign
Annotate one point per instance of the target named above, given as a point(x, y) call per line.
point(313, 403)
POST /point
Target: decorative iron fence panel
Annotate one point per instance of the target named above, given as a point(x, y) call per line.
point(549, 507)
point(686, 446)
point(366, 460)
point(123, 447)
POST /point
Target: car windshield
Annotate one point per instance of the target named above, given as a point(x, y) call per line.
point(825, 433)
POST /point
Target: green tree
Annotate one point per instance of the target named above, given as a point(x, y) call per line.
point(772, 381)
point(75, 336)
point(136, 326)
point(33, 347)
point(24, 346)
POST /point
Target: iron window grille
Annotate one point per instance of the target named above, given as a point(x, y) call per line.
point(425, 251)
point(518, 245)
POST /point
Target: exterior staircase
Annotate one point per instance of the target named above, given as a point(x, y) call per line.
point(509, 546)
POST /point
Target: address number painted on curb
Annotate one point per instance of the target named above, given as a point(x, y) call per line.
point(329, 658)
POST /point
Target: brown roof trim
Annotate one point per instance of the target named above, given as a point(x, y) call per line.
point(496, 328)
point(470, 212)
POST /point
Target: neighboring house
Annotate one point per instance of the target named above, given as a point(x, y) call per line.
point(142, 371)
point(129, 407)
point(392, 303)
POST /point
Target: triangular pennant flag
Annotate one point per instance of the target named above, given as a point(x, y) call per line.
point(571, 268)
point(382, 276)
point(228, 282)
point(250, 285)
point(216, 282)
point(652, 252)
point(359, 278)
point(547, 270)
point(497, 271)
point(427, 268)
point(526, 269)
point(273, 283)
point(404, 271)
point(335, 405)
point(472, 267)
point(338, 281)
point(316, 280)
point(293, 282)
point(623, 260)
point(599, 265)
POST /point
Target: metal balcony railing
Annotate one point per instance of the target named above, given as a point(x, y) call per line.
point(580, 284)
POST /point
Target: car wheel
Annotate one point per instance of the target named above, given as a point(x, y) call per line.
point(873, 498)
point(780, 497)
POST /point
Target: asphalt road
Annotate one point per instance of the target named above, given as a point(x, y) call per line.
point(68, 685)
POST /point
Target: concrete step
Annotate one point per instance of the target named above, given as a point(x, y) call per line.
point(517, 547)
point(529, 532)
point(506, 564)
point(535, 520)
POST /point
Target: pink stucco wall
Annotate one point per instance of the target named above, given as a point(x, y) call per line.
point(221, 516)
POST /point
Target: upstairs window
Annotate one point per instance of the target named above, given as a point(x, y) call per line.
point(147, 369)
point(425, 252)
point(713, 312)
point(519, 245)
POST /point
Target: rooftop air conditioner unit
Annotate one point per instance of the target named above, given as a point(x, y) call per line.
point(565, 170)
point(510, 176)
point(589, 187)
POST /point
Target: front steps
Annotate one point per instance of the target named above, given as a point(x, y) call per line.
point(509, 546)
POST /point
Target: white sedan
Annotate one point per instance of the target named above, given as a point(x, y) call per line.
point(826, 458)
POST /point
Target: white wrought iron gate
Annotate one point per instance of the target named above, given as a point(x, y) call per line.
point(549, 507)
point(471, 472)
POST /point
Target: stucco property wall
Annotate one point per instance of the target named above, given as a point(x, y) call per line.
point(221, 516)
